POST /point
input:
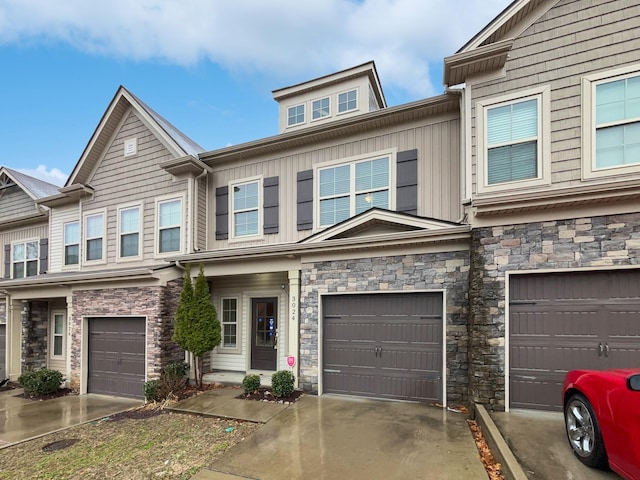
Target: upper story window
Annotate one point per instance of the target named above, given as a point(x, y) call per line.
point(349, 189)
point(513, 141)
point(295, 115)
point(71, 243)
point(24, 259)
point(94, 234)
point(320, 108)
point(129, 231)
point(347, 101)
point(246, 211)
point(611, 128)
point(169, 226)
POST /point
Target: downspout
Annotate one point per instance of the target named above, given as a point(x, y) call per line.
point(465, 124)
point(196, 193)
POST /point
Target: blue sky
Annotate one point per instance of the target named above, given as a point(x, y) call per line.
point(207, 67)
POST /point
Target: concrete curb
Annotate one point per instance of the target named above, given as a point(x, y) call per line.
point(499, 448)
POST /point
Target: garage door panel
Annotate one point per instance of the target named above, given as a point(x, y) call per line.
point(117, 356)
point(564, 321)
point(383, 345)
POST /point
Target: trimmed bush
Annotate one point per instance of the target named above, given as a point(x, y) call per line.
point(282, 383)
point(251, 383)
point(41, 382)
point(152, 391)
point(173, 379)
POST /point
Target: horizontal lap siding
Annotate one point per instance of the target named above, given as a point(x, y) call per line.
point(573, 39)
point(438, 145)
point(16, 203)
point(122, 180)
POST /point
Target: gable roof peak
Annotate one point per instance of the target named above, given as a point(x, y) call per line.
point(34, 187)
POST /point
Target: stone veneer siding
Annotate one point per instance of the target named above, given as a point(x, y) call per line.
point(607, 241)
point(157, 304)
point(386, 274)
point(34, 316)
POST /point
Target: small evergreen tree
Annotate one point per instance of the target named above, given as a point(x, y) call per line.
point(197, 328)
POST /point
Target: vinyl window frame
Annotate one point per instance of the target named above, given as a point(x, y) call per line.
point(25, 261)
point(258, 208)
point(299, 110)
point(181, 225)
point(86, 238)
point(356, 91)
point(123, 208)
point(543, 167)
point(62, 335)
point(320, 108)
point(238, 324)
point(67, 244)
point(589, 127)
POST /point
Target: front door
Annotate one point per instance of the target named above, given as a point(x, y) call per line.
point(264, 326)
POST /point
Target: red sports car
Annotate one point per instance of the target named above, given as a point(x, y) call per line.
point(602, 418)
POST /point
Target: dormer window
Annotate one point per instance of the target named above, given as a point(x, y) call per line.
point(320, 108)
point(296, 115)
point(347, 101)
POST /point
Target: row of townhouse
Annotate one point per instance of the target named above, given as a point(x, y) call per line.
point(472, 246)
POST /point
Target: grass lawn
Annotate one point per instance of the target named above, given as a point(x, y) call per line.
point(141, 444)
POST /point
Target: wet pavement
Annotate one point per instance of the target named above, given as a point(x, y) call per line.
point(23, 419)
point(331, 437)
point(539, 443)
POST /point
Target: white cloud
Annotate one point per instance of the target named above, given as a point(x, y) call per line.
point(53, 176)
point(283, 38)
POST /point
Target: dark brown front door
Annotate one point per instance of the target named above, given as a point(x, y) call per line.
point(264, 325)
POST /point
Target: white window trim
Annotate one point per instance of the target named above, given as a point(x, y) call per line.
point(238, 348)
point(589, 82)
point(328, 97)
point(543, 95)
point(84, 238)
point(119, 257)
point(304, 115)
point(232, 231)
point(130, 147)
point(63, 334)
point(71, 266)
point(156, 225)
point(392, 154)
point(351, 110)
point(18, 242)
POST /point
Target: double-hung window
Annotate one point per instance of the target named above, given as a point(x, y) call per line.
point(24, 259)
point(71, 243)
point(129, 231)
point(246, 209)
point(349, 189)
point(169, 226)
point(94, 228)
point(295, 115)
point(612, 123)
point(229, 323)
point(57, 334)
point(513, 141)
point(347, 101)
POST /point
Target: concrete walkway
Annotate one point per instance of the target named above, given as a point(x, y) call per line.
point(340, 437)
point(23, 419)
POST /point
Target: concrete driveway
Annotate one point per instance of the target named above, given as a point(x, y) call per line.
point(331, 437)
point(22, 419)
point(539, 444)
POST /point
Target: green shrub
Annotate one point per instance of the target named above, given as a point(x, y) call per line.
point(251, 383)
point(152, 391)
point(41, 382)
point(173, 379)
point(282, 383)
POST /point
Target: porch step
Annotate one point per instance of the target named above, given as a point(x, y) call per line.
point(234, 378)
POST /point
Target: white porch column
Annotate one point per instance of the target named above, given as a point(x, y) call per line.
point(293, 344)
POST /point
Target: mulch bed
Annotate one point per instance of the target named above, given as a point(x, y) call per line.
point(61, 392)
point(264, 394)
point(9, 386)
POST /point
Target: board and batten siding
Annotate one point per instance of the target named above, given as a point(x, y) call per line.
point(438, 146)
point(16, 203)
point(58, 217)
point(573, 39)
point(121, 181)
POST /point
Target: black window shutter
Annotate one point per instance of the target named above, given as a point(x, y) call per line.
point(222, 213)
point(44, 256)
point(271, 204)
point(7, 261)
point(407, 182)
point(305, 200)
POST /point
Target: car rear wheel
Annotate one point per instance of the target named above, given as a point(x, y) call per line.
point(583, 432)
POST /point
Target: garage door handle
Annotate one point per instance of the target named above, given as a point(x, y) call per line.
point(606, 350)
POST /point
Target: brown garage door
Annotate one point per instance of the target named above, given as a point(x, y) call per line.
point(3, 351)
point(383, 345)
point(117, 356)
point(564, 321)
